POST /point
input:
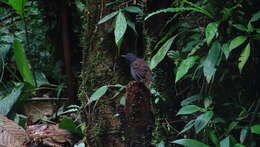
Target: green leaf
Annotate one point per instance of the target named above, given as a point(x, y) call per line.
point(255, 17)
point(190, 143)
point(209, 64)
point(231, 126)
point(188, 126)
point(98, 94)
point(190, 99)
point(7, 102)
point(202, 120)
point(211, 31)
point(18, 5)
point(185, 66)
point(255, 129)
point(225, 49)
point(213, 137)
point(159, 56)
point(225, 142)
point(240, 27)
point(161, 144)
point(243, 135)
point(244, 57)
point(133, 9)
point(108, 17)
point(131, 25)
point(68, 124)
point(22, 62)
point(41, 79)
point(181, 9)
point(189, 109)
point(239, 145)
point(120, 28)
point(236, 42)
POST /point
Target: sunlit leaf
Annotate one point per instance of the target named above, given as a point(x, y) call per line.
point(98, 94)
point(244, 57)
point(108, 17)
point(236, 42)
point(159, 56)
point(189, 109)
point(211, 31)
point(120, 28)
point(202, 121)
point(190, 143)
point(133, 9)
point(255, 129)
point(7, 102)
point(22, 62)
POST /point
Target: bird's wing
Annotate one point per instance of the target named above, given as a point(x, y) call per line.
point(140, 70)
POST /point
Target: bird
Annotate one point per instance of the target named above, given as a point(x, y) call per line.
point(139, 69)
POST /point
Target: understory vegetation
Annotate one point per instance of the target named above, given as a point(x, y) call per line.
point(204, 56)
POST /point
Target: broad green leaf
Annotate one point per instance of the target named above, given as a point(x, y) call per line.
point(225, 142)
point(240, 27)
point(244, 57)
point(231, 126)
point(213, 137)
point(188, 126)
point(68, 124)
point(122, 100)
point(236, 42)
point(161, 144)
point(202, 121)
point(131, 25)
point(211, 31)
point(22, 62)
point(189, 109)
point(120, 28)
point(225, 49)
point(18, 5)
point(189, 143)
point(255, 129)
point(133, 9)
point(213, 58)
point(159, 56)
point(255, 17)
point(173, 10)
point(98, 94)
point(239, 145)
point(190, 99)
point(7, 102)
point(108, 17)
point(185, 66)
point(243, 135)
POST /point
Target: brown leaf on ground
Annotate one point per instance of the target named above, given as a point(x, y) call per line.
point(48, 134)
point(11, 135)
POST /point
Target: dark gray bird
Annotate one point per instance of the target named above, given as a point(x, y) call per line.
point(140, 71)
